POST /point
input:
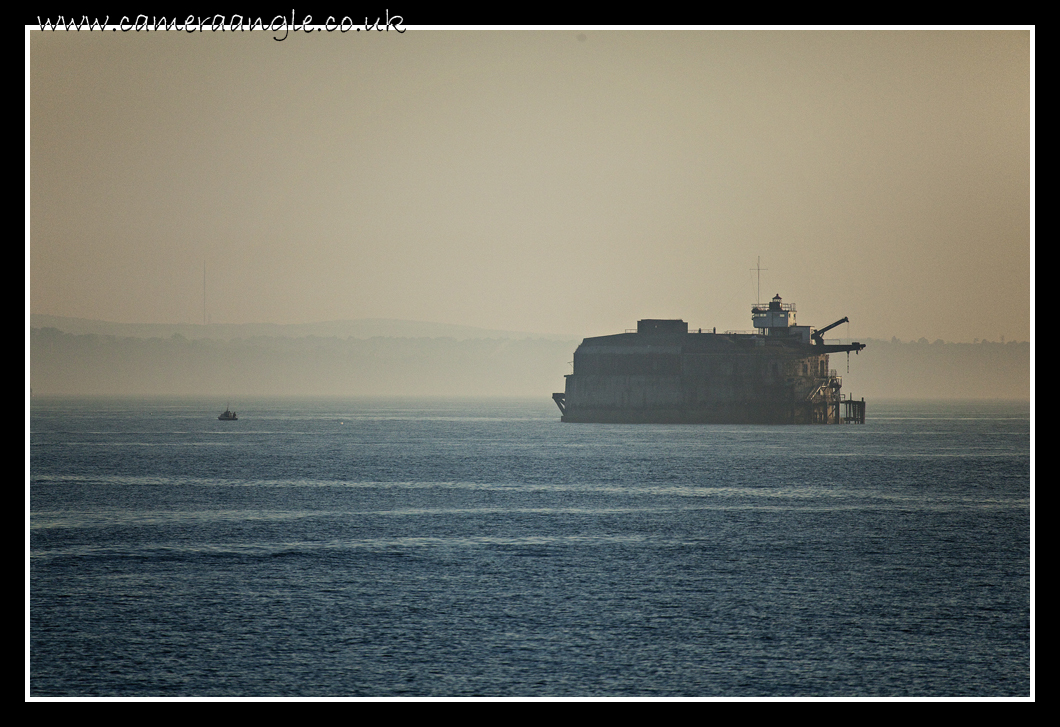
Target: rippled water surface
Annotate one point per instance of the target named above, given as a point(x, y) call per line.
point(460, 548)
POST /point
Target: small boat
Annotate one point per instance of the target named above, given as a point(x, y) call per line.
point(228, 416)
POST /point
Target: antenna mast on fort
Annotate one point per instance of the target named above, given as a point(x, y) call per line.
point(758, 291)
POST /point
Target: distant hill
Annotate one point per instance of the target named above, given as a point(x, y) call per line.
point(93, 364)
point(921, 370)
point(308, 361)
point(360, 328)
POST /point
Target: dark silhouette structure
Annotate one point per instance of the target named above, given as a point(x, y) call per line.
point(777, 374)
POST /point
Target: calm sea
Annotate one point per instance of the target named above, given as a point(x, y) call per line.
point(483, 548)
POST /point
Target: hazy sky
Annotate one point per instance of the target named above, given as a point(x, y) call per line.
point(558, 181)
